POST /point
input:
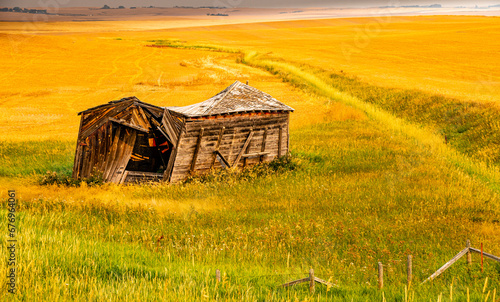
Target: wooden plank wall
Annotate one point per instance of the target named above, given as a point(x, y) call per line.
point(124, 151)
point(99, 147)
point(91, 152)
point(106, 150)
point(236, 132)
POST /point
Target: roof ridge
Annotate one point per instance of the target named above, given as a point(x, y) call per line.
point(230, 88)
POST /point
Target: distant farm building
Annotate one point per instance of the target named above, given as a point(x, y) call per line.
point(131, 141)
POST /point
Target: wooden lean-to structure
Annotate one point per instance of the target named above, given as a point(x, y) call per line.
point(131, 141)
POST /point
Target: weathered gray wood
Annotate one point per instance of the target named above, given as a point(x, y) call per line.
point(144, 116)
point(155, 110)
point(158, 126)
point(116, 159)
point(122, 122)
point(188, 146)
point(109, 145)
point(169, 125)
point(104, 142)
point(135, 176)
point(124, 176)
point(93, 152)
point(112, 154)
point(244, 123)
point(311, 281)
point(492, 257)
point(124, 156)
point(167, 175)
point(97, 108)
point(380, 275)
point(102, 119)
point(136, 119)
point(469, 254)
point(247, 150)
point(77, 159)
point(205, 156)
point(409, 270)
point(217, 153)
point(97, 149)
point(447, 264)
point(125, 115)
point(238, 118)
point(198, 146)
point(323, 282)
point(217, 146)
point(235, 163)
point(217, 275)
point(295, 282)
point(233, 142)
point(263, 145)
point(255, 154)
point(287, 132)
point(239, 138)
point(86, 159)
point(280, 141)
point(117, 168)
point(91, 118)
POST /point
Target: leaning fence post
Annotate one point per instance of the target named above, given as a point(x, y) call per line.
point(217, 275)
point(380, 275)
point(409, 270)
point(311, 281)
point(481, 257)
point(469, 254)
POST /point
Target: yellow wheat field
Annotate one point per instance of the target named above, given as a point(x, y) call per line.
point(51, 71)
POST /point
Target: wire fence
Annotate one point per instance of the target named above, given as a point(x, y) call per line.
point(312, 279)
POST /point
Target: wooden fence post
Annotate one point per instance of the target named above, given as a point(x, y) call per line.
point(447, 264)
point(217, 275)
point(409, 270)
point(380, 275)
point(311, 281)
point(469, 254)
point(481, 257)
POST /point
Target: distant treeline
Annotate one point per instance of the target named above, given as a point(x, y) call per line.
point(210, 7)
point(23, 10)
point(423, 6)
point(123, 7)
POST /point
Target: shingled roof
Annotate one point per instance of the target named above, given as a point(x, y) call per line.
point(234, 99)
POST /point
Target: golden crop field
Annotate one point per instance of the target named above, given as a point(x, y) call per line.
point(394, 151)
point(94, 64)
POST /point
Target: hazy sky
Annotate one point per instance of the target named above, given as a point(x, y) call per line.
point(241, 3)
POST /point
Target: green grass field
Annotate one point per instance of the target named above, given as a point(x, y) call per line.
point(361, 194)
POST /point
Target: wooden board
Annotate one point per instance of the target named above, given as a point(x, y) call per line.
point(127, 146)
point(197, 149)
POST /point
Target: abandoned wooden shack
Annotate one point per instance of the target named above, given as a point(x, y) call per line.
point(131, 141)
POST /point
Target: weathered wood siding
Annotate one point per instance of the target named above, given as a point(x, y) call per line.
point(91, 151)
point(107, 136)
point(202, 136)
point(106, 151)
